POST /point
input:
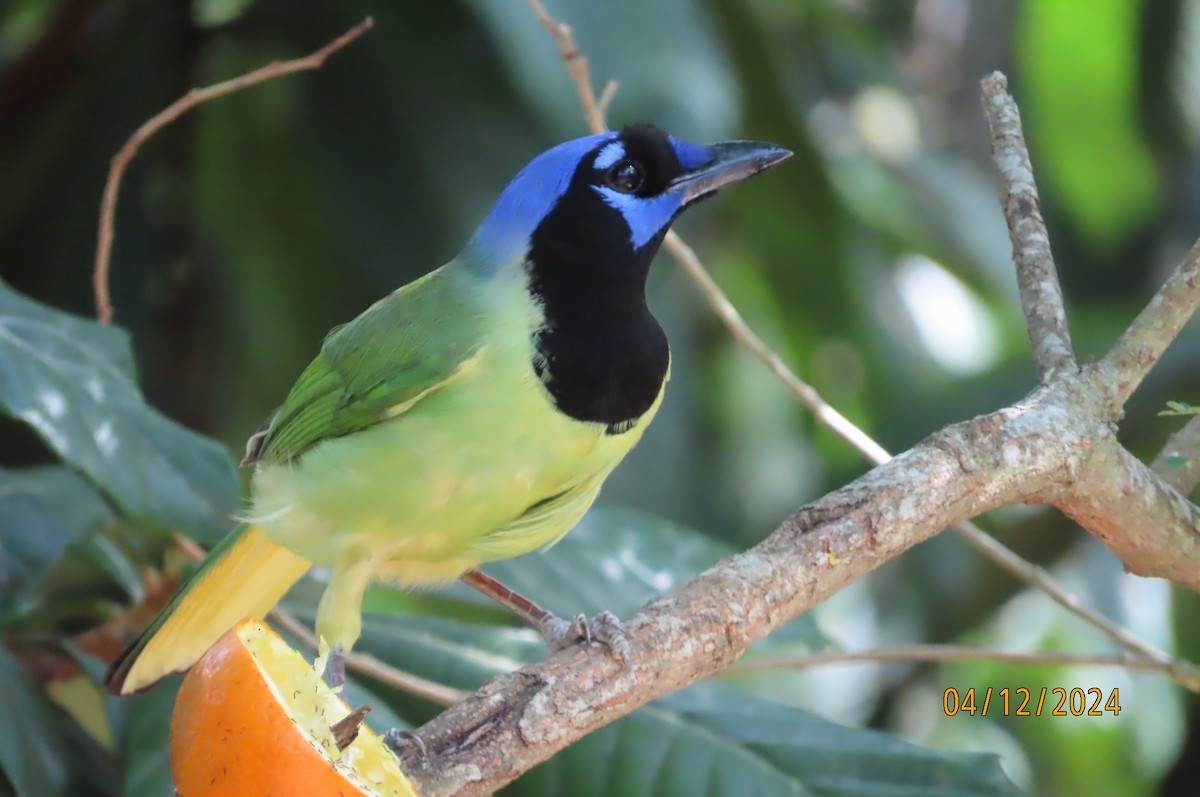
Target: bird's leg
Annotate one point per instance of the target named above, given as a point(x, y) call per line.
point(335, 668)
point(604, 628)
point(339, 618)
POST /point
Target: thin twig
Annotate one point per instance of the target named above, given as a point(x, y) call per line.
point(1183, 444)
point(1183, 673)
point(108, 204)
point(577, 65)
point(1022, 569)
point(744, 336)
point(1138, 349)
point(366, 664)
point(1037, 278)
point(606, 97)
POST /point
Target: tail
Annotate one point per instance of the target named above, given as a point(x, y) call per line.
point(243, 577)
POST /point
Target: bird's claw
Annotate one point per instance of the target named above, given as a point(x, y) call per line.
point(406, 744)
point(603, 629)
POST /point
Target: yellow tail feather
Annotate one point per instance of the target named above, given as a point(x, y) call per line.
point(243, 577)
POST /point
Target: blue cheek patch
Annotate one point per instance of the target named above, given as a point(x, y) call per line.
point(691, 156)
point(646, 217)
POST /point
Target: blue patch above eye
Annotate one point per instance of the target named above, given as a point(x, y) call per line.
point(691, 156)
point(645, 217)
point(504, 234)
point(609, 155)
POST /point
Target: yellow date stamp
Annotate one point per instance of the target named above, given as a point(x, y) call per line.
point(1021, 702)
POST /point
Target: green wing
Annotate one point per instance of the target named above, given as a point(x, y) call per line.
point(374, 368)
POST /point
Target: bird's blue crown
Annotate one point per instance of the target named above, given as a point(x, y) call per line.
point(631, 170)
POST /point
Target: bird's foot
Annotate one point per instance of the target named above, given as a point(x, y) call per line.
point(603, 629)
point(407, 746)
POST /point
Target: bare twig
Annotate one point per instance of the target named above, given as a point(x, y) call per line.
point(606, 98)
point(744, 336)
point(1037, 279)
point(577, 65)
point(368, 665)
point(108, 204)
point(1183, 673)
point(1139, 348)
point(1184, 444)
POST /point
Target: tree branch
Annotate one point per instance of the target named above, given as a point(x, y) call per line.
point(1152, 528)
point(1037, 278)
point(1136, 352)
point(108, 203)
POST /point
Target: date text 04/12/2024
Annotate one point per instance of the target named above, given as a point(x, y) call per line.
point(1022, 702)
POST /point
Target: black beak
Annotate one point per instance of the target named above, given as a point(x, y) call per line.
point(735, 161)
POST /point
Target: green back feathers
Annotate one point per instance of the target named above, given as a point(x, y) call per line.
point(403, 347)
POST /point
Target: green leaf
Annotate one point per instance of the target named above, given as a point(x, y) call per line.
point(748, 745)
point(41, 511)
point(1175, 462)
point(34, 754)
point(146, 740)
point(451, 653)
point(1179, 408)
point(617, 559)
point(72, 380)
point(712, 739)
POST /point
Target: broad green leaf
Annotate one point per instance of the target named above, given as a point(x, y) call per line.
point(748, 745)
point(146, 738)
point(41, 511)
point(34, 754)
point(618, 559)
point(1078, 90)
point(712, 739)
point(72, 380)
point(447, 652)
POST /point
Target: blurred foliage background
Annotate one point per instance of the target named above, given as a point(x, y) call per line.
point(876, 261)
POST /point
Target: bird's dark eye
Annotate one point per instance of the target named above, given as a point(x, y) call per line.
point(626, 176)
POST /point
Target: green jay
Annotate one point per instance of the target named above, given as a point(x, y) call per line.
point(471, 415)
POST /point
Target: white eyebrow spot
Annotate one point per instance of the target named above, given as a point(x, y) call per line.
point(610, 154)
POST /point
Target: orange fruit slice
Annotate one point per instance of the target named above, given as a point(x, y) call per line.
point(252, 719)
